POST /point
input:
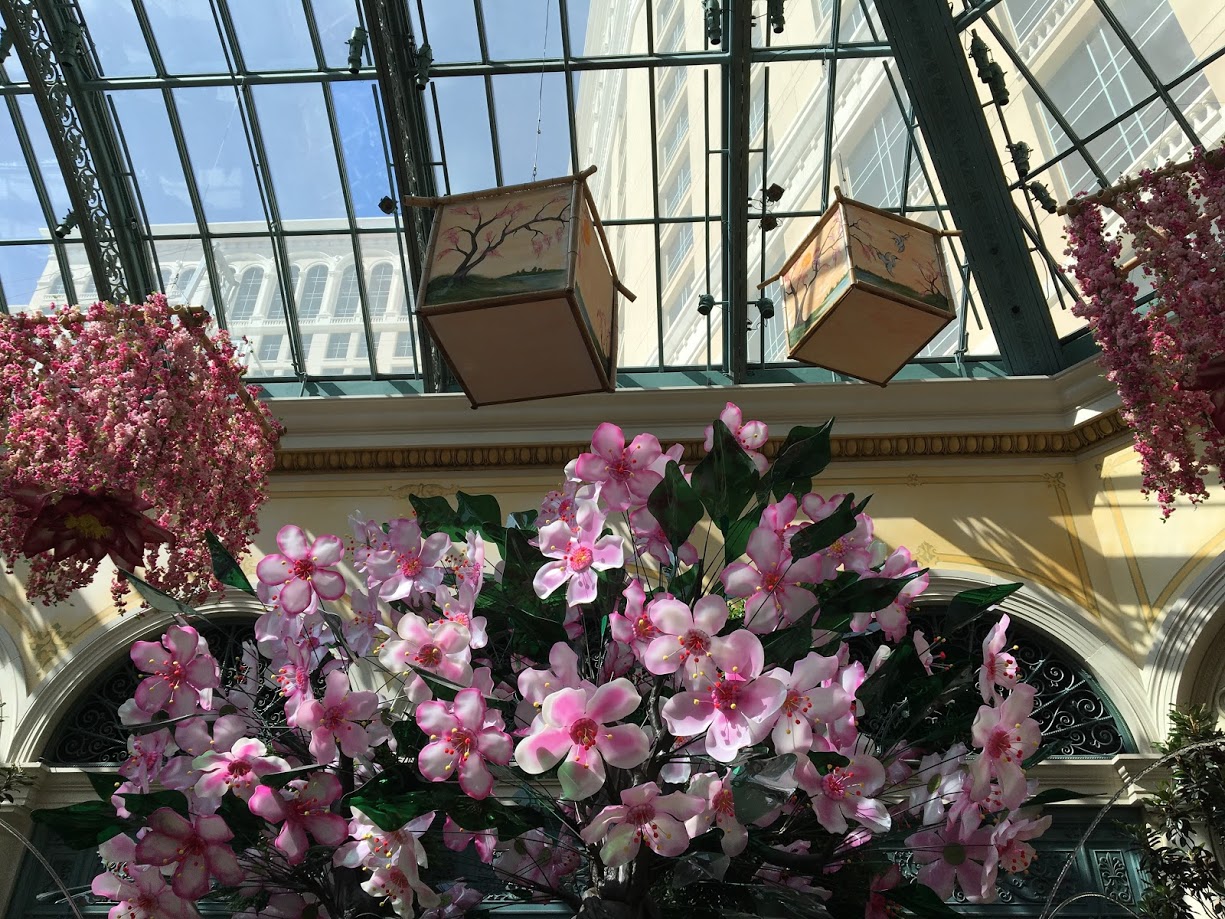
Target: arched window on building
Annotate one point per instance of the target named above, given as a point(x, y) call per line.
point(247, 297)
point(378, 289)
point(313, 286)
point(348, 298)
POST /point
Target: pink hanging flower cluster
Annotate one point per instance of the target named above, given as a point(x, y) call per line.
point(124, 434)
point(1166, 359)
point(573, 723)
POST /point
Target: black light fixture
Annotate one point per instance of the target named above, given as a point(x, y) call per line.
point(66, 225)
point(714, 21)
point(774, 192)
point(989, 71)
point(706, 303)
point(768, 222)
point(6, 44)
point(775, 11)
point(1043, 196)
point(425, 58)
point(387, 205)
point(357, 46)
point(765, 306)
point(1020, 157)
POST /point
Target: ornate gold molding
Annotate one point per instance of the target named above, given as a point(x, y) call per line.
point(1070, 443)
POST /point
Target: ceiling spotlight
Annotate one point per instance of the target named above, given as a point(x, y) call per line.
point(714, 21)
point(425, 58)
point(706, 303)
point(765, 306)
point(768, 222)
point(6, 44)
point(1043, 196)
point(387, 205)
point(357, 46)
point(774, 192)
point(66, 225)
point(775, 11)
point(989, 72)
point(1020, 152)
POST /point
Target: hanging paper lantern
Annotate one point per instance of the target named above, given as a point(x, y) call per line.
point(520, 270)
point(125, 433)
point(865, 292)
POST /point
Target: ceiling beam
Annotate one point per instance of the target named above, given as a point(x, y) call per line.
point(963, 153)
point(50, 39)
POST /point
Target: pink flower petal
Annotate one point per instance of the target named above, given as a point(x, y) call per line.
point(613, 701)
point(328, 584)
point(327, 550)
point(550, 577)
point(609, 442)
point(543, 750)
point(273, 569)
point(671, 839)
point(688, 713)
point(292, 542)
point(623, 745)
point(581, 780)
point(564, 707)
point(622, 845)
point(296, 596)
point(741, 580)
point(190, 879)
point(475, 778)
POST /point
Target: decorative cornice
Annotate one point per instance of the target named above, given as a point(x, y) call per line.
point(1093, 434)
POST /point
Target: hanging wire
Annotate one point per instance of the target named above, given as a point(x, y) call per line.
point(544, 52)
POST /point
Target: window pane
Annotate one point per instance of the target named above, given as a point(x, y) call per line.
point(378, 289)
point(313, 287)
point(248, 295)
point(338, 346)
point(347, 298)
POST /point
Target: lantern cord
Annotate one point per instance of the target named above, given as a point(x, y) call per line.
point(540, 94)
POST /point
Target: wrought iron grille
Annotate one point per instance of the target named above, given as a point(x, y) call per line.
point(92, 733)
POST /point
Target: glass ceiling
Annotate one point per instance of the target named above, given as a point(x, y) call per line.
point(251, 140)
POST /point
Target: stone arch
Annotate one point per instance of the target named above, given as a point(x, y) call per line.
point(13, 699)
point(1186, 662)
point(1074, 630)
point(90, 659)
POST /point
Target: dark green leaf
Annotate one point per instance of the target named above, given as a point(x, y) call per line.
point(765, 770)
point(434, 515)
point(225, 567)
point(510, 820)
point(246, 827)
point(824, 762)
point(700, 866)
point(969, 605)
point(921, 901)
point(867, 595)
point(523, 520)
point(754, 801)
point(685, 585)
point(824, 533)
point(162, 602)
point(803, 456)
point(442, 689)
point(786, 646)
point(281, 779)
point(83, 826)
point(391, 812)
point(676, 506)
point(144, 805)
point(479, 512)
point(104, 783)
point(1052, 796)
point(725, 479)
point(1049, 749)
point(737, 537)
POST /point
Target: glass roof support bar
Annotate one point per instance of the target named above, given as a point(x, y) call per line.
point(831, 104)
point(50, 40)
point(395, 50)
point(483, 39)
point(737, 76)
point(937, 77)
point(571, 127)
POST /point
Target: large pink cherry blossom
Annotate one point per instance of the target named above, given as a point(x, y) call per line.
point(183, 673)
point(408, 566)
point(687, 638)
point(301, 807)
point(751, 435)
point(644, 815)
point(440, 647)
point(999, 667)
point(953, 854)
point(463, 738)
point(734, 709)
point(197, 848)
point(623, 472)
point(813, 700)
point(1005, 734)
point(771, 584)
point(846, 792)
point(579, 552)
point(238, 769)
point(575, 724)
point(302, 569)
point(720, 810)
point(334, 720)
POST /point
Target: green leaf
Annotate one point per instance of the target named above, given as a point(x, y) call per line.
point(700, 866)
point(921, 901)
point(225, 567)
point(509, 819)
point(104, 783)
point(736, 540)
point(803, 456)
point(867, 595)
point(523, 520)
point(824, 762)
point(824, 533)
point(434, 515)
point(1046, 750)
point(969, 605)
point(725, 479)
point(685, 585)
point(390, 813)
point(480, 512)
point(786, 646)
point(442, 689)
point(162, 602)
point(246, 827)
point(83, 826)
point(755, 801)
point(1052, 796)
point(144, 805)
point(675, 504)
point(281, 779)
point(765, 770)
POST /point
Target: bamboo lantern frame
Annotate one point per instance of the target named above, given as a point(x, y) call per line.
point(593, 331)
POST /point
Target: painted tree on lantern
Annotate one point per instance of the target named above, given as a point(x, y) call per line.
point(475, 236)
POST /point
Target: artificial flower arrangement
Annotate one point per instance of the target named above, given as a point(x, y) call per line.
point(680, 691)
point(116, 423)
point(1168, 361)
